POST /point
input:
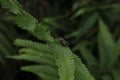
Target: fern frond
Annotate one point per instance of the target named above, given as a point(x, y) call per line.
point(29, 23)
point(35, 58)
point(33, 45)
point(44, 72)
point(64, 60)
point(81, 71)
point(12, 5)
point(35, 52)
point(24, 20)
point(42, 33)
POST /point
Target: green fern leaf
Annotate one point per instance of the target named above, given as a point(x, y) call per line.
point(42, 33)
point(29, 23)
point(26, 21)
point(69, 67)
point(32, 51)
point(81, 72)
point(44, 72)
point(64, 60)
point(33, 45)
point(12, 5)
point(35, 58)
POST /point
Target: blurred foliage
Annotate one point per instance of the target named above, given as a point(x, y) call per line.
point(91, 27)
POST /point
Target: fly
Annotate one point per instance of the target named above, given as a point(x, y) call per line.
point(64, 42)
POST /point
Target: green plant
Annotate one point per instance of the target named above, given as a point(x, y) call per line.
point(55, 61)
point(91, 28)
